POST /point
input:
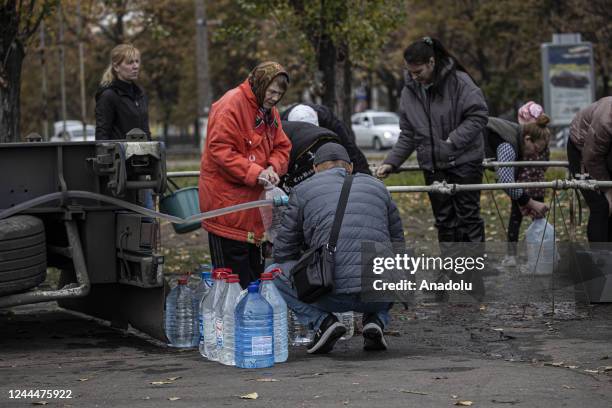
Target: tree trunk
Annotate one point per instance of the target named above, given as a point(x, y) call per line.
point(343, 84)
point(10, 81)
point(327, 65)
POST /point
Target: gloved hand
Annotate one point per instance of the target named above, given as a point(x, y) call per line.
point(447, 153)
point(534, 209)
point(384, 170)
point(270, 175)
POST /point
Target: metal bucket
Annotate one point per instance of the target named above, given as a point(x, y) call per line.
point(182, 203)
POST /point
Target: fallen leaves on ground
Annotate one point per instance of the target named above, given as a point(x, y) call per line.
point(252, 395)
point(414, 392)
point(511, 402)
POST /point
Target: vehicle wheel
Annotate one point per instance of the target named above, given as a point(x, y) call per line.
point(377, 145)
point(23, 254)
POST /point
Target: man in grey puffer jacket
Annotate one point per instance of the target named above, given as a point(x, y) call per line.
point(370, 216)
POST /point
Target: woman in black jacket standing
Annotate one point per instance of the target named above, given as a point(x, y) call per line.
point(121, 105)
point(442, 116)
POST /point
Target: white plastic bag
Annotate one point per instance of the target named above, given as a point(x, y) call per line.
point(541, 254)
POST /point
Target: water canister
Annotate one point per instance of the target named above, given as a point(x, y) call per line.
point(269, 292)
point(228, 318)
point(201, 290)
point(209, 348)
point(540, 245)
point(271, 216)
point(254, 331)
point(180, 316)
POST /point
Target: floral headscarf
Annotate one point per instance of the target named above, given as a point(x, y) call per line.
point(262, 76)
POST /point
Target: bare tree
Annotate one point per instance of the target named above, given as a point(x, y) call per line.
point(19, 20)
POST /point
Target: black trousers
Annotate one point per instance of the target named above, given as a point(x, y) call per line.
point(458, 216)
point(599, 227)
point(514, 224)
point(243, 258)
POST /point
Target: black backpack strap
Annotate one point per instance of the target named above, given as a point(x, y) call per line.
point(335, 231)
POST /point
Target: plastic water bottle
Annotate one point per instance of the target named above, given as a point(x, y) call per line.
point(228, 317)
point(218, 312)
point(209, 348)
point(540, 258)
point(279, 311)
point(199, 293)
point(347, 319)
point(271, 216)
point(299, 334)
point(180, 315)
point(254, 331)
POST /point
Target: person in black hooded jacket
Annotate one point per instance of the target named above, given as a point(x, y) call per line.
point(306, 139)
point(121, 105)
point(325, 118)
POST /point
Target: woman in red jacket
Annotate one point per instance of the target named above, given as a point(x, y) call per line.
point(245, 143)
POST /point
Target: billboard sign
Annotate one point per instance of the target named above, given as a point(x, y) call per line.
point(568, 79)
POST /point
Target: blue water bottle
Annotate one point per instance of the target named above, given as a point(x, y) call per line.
point(254, 332)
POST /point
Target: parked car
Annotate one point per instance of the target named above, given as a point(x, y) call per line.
point(73, 133)
point(378, 130)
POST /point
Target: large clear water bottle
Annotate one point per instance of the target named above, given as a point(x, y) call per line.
point(271, 216)
point(209, 348)
point(228, 317)
point(218, 313)
point(299, 334)
point(254, 331)
point(279, 309)
point(200, 291)
point(180, 315)
point(540, 242)
point(348, 320)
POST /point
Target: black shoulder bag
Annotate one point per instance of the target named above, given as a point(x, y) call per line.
point(313, 274)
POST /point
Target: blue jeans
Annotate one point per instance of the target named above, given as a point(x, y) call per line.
point(314, 313)
point(147, 198)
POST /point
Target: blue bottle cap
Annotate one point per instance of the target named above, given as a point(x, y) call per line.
point(206, 275)
point(253, 287)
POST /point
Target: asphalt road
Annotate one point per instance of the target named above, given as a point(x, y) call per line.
point(493, 355)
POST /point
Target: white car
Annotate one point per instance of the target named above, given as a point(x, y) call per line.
point(73, 133)
point(377, 130)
